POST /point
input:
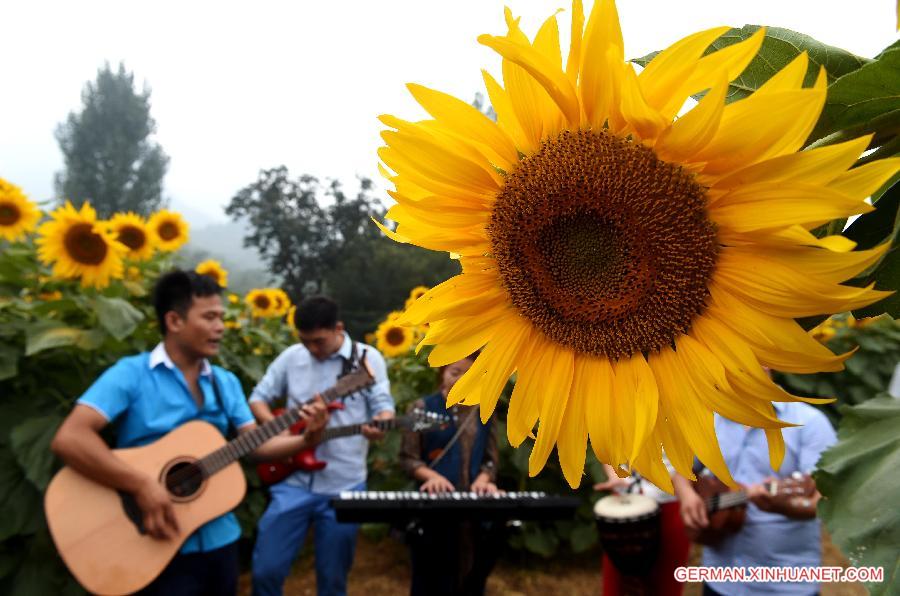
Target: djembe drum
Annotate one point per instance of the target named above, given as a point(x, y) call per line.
point(629, 527)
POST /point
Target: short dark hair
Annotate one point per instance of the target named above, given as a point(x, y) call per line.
point(316, 312)
point(176, 289)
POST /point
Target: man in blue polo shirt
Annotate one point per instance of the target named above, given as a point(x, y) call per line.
point(150, 394)
point(781, 532)
point(302, 500)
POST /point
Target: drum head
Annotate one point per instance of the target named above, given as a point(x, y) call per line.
point(624, 507)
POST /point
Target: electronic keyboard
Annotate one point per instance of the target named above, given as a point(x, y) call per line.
point(404, 506)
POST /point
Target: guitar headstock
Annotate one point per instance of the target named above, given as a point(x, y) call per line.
point(352, 382)
point(798, 484)
point(419, 420)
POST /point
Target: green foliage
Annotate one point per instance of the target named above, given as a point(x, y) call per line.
point(865, 100)
point(109, 157)
point(779, 48)
point(866, 374)
point(57, 339)
point(858, 479)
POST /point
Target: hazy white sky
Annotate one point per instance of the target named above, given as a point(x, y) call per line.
point(240, 86)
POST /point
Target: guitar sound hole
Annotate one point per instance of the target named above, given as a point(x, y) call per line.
point(184, 480)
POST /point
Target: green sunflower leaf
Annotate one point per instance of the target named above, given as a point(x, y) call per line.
point(857, 478)
point(779, 48)
point(117, 316)
point(9, 361)
point(870, 230)
point(52, 334)
point(861, 96)
point(30, 443)
point(19, 500)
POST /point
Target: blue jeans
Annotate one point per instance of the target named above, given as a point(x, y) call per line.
point(282, 531)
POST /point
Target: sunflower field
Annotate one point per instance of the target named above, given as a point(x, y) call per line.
point(749, 192)
point(74, 298)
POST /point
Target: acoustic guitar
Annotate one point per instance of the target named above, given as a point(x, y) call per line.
point(99, 531)
point(273, 472)
point(727, 508)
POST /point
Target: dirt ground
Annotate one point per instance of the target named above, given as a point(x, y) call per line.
point(382, 568)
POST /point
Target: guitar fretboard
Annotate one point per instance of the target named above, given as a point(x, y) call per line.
point(248, 442)
point(355, 429)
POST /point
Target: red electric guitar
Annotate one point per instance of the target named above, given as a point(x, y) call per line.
point(275, 471)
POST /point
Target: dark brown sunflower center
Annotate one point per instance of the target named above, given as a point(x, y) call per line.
point(132, 237)
point(262, 302)
point(84, 246)
point(9, 214)
point(602, 246)
point(167, 230)
point(395, 336)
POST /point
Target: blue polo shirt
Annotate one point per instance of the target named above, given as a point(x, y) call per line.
point(769, 539)
point(146, 396)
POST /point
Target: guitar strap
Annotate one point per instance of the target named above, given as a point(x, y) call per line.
point(230, 431)
point(348, 365)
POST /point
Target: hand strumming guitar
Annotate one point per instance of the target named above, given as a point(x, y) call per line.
point(693, 509)
point(316, 415)
point(156, 505)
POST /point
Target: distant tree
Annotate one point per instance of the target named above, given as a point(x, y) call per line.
point(109, 157)
point(317, 238)
point(288, 227)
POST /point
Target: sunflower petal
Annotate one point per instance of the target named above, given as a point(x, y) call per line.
point(467, 121)
point(683, 409)
point(602, 54)
point(556, 384)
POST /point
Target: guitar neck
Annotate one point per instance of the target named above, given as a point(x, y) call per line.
point(735, 498)
point(726, 500)
point(247, 442)
point(355, 429)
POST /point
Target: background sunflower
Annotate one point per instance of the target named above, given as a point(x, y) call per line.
point(169, 229)
point(78, 246)
point(414, 294)
point(261, 302)
point(131, 230)
point(392, 339)
point(637, 268)
point(18, 215)
point(215, 270)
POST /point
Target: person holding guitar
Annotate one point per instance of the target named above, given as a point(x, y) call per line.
point(452, 558)
point(152, 393)
point(780, 528)
point(325, 352)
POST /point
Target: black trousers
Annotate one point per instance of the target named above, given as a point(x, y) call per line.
point(453, 559)
point(213, 573)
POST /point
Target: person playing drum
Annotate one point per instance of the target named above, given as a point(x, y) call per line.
point(656, 507)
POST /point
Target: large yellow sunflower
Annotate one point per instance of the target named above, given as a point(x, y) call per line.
point(392, 339)
point(261, 302)
point(636, 267)
point(131, 230)
point(169, 229)
point(18, 215)
point(79, 246)
point(213, 269)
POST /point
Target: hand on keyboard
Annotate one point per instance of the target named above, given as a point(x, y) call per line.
point(437, 484)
